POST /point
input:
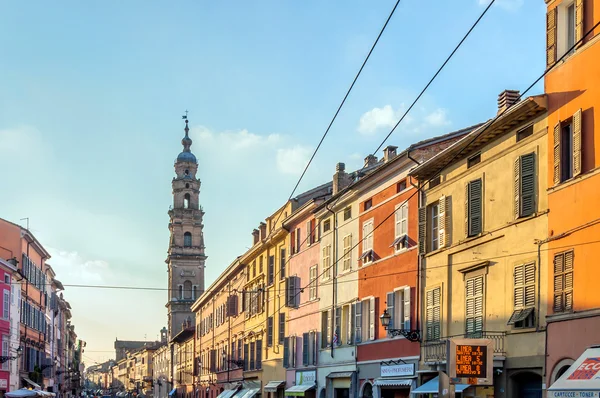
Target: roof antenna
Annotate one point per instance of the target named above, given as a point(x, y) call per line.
point(27, 218)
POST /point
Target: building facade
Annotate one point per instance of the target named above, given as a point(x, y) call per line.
point(186, 257)
point(160, 371)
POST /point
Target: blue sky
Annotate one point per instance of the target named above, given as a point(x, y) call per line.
point(92, 93)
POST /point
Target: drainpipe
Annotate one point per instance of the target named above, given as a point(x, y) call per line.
point(410, 157)
point(334, 281)
point(419, 257)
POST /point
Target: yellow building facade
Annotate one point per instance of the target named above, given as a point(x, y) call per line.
point(482, 216)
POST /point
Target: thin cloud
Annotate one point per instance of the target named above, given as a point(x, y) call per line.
point(293, 160)
point(509, 5)
point(385, 118)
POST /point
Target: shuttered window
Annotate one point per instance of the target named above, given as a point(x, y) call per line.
point(433, 314)
point(305, 349)
point(259, 354)
point(367, 251)
point(422, 230)
point(401, 227)
point(523, 296)
point(282, 262)
point(269, 331)
point(577, 143)
point(372, 318)
point(578, 20)
point(312, 288)
point(281, 331)
point(474, 208)
point(567, 148)
point(327, 262)
point(563, 282)
point(326, 329)
point(474, 288)
point(435, 225)
point(347, 259)
point(286, 352)
point(551, 31)
point(358, 322)
point(390, 305)
point(271, 270)
point(442, 222)
point(524, 185)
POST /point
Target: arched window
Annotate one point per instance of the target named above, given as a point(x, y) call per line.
point(187, 239)
point(194, 292)
point(187, 290)
point(180, 292)
point(186, 201)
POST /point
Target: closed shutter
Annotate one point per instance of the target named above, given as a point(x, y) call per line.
point(286, 352)
point(269, 331)
point(372, 318)
point(557, 154)
point(281, 331)
point(298, 241)
point(474, 305)
point(293, 242)
point(578, 21)
point(568, 281)
point(559, 266)
point(305, 348)
point(529, 282)
point(519, 292)
point(271, 270)
point(527, 185)
point(433, 314)
point(517, 187)
point(406, 309)
point(442, 222)
point(422, 230)
point(358, 321)
point(390, 300)
point(282, 262)
point(351, 324)
point(577, 142)
point(475, 202)
point(551, 37)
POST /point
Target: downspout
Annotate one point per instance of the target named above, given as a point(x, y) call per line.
point(334, 281)
point(419, 257)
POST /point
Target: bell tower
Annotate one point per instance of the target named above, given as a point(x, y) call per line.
point(186, 257)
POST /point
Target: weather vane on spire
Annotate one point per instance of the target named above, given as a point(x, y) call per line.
point(185, 116)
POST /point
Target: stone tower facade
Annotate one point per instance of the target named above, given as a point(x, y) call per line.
point(186, 248)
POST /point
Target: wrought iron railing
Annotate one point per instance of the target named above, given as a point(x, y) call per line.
point(434, 351)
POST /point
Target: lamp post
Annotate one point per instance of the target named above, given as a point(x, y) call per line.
point(411, 335)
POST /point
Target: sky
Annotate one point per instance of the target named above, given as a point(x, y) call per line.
point(92, 94)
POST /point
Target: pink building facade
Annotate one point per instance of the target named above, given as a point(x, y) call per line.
point(6, 275)
point(301, 346)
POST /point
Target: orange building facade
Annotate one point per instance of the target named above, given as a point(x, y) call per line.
point(573, 89)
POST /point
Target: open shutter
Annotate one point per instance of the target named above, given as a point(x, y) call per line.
point(329, 325)
point(568, 282)
point(258, 354)
point(517, 187)
point(422, 230)
point(578, 21)
point(305, 348)
point(372, 317)
point(557, 154)
point(577, 143)
point(551, 37)
point(442, 221)
point(518, 300)
point(286, 352)
point(358, 321)
point(529, 282)
point(527, 184)
point(559, 263)
point(390, 300)
point(475, 209)
point(406, 309)
point(467, 210)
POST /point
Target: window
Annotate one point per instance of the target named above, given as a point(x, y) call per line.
point(260, 264)
point(286, 353)
point(401, 227)
point(5, 342)
point(270, 331)
point(524, 187)
point(186, 201)
point(254, 269)
point(306, 349)
point(271, 270)
point(347, 213)
point(434, 211)
point(6, 305)
point(282, 262)
point(252, 355)
point(563, 282)
point(194, 292)
point(434, 182)
point(327, 262)
point(398, 306)
point(473, 160)
point(367, 252)
point(347, 259)
point(7, 279)
point(368, 204)
point(474, 306)
point(259, 354)
point(312, 289)
point(570, 25)
point(564, 28)
point(567, 148)
point(337, 338)
point(292, 287)
point(180, 287)
point(523, 296)
point(326, 329)
point(281, 334)
point(566, 152)
point(327, 225)
point(473, 218)
point(187, 290)
point(401, 186)
point(524, 133)
point(367, 318)
point(433, 314)
point(358, 321)
point(298, 240)
point(311, 232)
point(187, 239)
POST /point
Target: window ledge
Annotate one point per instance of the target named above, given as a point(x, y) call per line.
point(308, 302)
point(531, 329)
point(574, 180)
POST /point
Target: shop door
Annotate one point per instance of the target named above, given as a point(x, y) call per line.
point(341, 393)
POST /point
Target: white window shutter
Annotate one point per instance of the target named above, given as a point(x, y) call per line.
point(390, 300)
point(397, 218)
point(372, 316)
point(577, 141)
point(406, 309)
point(442, 221)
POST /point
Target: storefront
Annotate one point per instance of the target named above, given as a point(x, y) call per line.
point(305, 385)
point(340, 384)
point(581, 379)
point(274, 389)
point(387, 379)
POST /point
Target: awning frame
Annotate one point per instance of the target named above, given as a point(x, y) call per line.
point(299, 390)
point(273, 386)
point(32, 383)
point(393, 382)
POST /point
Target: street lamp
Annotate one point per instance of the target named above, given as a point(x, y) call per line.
point(410, 335)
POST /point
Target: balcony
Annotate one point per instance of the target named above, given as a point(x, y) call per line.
point(435, 351)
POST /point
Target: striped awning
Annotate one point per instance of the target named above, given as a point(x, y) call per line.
point(393, 382)
point(273, 386)
point(299, 390)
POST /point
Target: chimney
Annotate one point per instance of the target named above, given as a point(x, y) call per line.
point(254, 236)
point(370, 160)
point(262, 227)
point(341, 179)
point(506, 99)
point(389, 153)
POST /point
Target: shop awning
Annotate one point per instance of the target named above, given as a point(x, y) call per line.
point(247, 393)
point(393, 382)
point(339, 375)
point(32, 384)
point(273, 386)
point(433, 387)
point(582, 379)
point(299, 390)
point(173, 391)
point(227, 393)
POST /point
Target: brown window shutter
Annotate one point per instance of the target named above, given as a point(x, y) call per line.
point(517, 187)
point(578, 21)
point(422, 230)
point(577, 143)
point(557, 154)
point(551, 37)
point(559, 261)
point(568, 282)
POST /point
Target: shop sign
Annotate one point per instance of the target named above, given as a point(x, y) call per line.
point(3, 383)
point(573, 394)
point(306, 377)
point(587, 370)
point(403, 369)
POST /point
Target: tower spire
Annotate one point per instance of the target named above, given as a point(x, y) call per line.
point(186, 141)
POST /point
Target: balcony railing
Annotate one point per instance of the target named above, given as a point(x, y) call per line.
point(435, 351)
